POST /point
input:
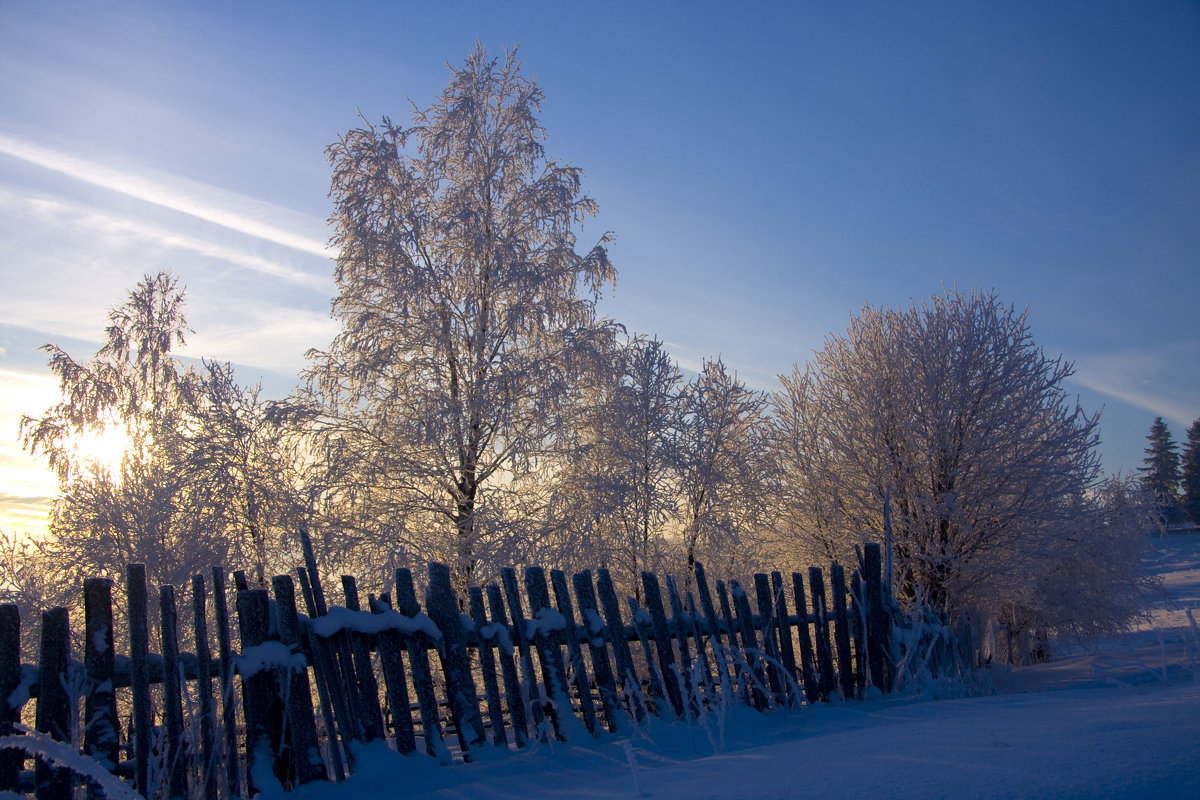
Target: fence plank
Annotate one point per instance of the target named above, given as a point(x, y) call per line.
point(487, 665)
point(339, 663)
point(11, 759)
point(204, 699)
point(626, 675)
point(816, 584)
point(100, 738)
point(442, 608)
point(583, 689)
point(858, 629)
point(299, 724)
point(261, 706)
point(645, 633)
point(390, 648)
point(753, 671)
point(841, 631)
point(662, 642)
point(139, 676)
point(506, 655)
point(233, 776)
point(812, 686)
point(366, 688)
point(787, 652)
point(53, 703)
point(418, 659)
point(335, 708)
point(770, 636)
point(713, 626)
point(877, 621)
point(738, 661)
point(585, 595)
point(508, 577)
point(172, 694)
point(546, 641)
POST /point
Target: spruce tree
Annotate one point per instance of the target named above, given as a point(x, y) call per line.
point(1191, 474)
point(1161, 473)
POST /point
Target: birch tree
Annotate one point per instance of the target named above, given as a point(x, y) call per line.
point(618, 487)
point(466, 314)
point(725, 471)
point(201, 476)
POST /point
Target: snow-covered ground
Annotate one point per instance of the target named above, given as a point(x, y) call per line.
point(1118, 719)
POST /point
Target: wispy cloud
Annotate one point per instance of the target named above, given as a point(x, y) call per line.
point(217, 206)
point(76, 216)
point(1159, 381)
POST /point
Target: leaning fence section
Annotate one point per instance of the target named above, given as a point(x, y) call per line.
point(536, 655)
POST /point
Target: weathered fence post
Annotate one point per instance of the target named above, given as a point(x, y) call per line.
point(786, 650)
point(442, 607)
point(228, 703)
point(53, 703)
point(512, 682)
point(11, 759)
point(841, 631)
point(261, 705)
point(750, 647)
point(562, 599)
point(100, 709)
point(877, 618)
point(858, 629)
point(812, 689)
point(334, 705)
point(713, 626)
point(366, 687)
point(391, 645)
point(546, 639)
point(662, 642)
point(172, 695)
point(626, 674)
point(204, 689)
point(816, 582)
point(300, 727)
point(598, 638)
point(739, 660)
point(488, 636)
point(770, 636)
point(418, 658)
point(139, 675)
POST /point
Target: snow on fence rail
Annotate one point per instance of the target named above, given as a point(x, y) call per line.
point(515, 668)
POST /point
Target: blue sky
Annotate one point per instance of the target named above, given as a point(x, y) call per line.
point(767, 170)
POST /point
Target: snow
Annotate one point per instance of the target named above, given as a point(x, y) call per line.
point(545, 621)
point(268, 655)
point(64, 755)
point(339, 619)
point(1117, 719)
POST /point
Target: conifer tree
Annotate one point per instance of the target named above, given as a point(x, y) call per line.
point(1161, 474)
point(1191, 474)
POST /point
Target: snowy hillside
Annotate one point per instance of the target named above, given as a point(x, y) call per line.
point(1121, 719)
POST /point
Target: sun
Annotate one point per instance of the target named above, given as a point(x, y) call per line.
point(102, 448)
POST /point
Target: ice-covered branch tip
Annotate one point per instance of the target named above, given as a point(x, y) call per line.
point(64, 755)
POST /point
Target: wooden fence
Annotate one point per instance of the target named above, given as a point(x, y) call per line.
point(516, 667)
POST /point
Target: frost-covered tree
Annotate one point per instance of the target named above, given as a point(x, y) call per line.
point(1191, 474)
point(724, 467)
point(617, 490)
point(194, 459)
point(1161, 472)
point(951, 410)
point(466, 316)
